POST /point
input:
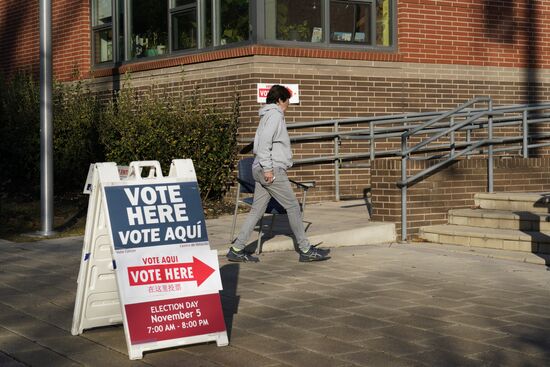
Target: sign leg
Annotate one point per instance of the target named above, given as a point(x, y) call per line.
point(222, 339)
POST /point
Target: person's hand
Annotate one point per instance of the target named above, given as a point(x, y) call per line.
point(268, 176)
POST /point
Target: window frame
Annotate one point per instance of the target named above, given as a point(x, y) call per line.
point(372, 23)
point(94, 29)
point(257, 35)
point(198, 5)
point(326, 43)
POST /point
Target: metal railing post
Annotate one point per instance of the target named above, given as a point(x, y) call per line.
point(371, 133)
point(337, 162)
point(452, 138)
point(404, 190)
point(490, 150)
point(468, 135)
point(525, 135)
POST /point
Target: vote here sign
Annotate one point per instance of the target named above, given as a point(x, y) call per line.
point(167, 275)
point(158, 214)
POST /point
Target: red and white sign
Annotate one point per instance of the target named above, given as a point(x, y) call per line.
point(169, 271)
point(263, 89)
point(167, 276)
point(174, 318)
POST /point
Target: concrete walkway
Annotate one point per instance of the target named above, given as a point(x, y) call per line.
point(370, 305)
point(330, 224)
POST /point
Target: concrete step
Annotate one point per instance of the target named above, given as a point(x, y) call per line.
point(502, 219)
point(505, 239)
point(537, 202)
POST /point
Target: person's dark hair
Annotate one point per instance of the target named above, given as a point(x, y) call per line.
point(277, 92)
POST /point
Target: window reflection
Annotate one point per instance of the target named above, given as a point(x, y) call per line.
point(295, 20)
point(184, 32)
point(184, 25)
point(350, 22)
point(149, 26)
point(102, 12)
point(383, 31)
point(234, 21)
point(103, 43)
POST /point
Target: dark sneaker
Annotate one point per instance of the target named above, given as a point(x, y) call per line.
point(241, 256)
point(323, 251)
point(314, 254)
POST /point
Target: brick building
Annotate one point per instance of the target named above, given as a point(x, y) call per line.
point(350, 58)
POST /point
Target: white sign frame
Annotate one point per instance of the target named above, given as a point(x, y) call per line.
point(98, 266)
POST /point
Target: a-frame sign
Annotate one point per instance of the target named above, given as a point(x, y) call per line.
point(146, 259)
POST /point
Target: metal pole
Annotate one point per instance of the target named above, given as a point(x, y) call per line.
point(525, 135)
point(490, 150)
point(46, 117)
point(371, 132)
point(337, 162)
point(452, 137)
point(468, 135)
point(403, 190)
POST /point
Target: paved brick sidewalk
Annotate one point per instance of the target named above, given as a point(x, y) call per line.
point(399, 305)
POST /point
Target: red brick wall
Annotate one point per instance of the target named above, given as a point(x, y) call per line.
point(330, 97)
point(473, 32)
point(429, 200)
point(20, 37)
point(503, 33)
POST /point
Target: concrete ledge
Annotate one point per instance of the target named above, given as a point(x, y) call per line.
point(514, 201)
point(486, 218)
point(506, 239)
point(369, 234)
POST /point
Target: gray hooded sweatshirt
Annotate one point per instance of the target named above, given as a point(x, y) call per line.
point(272, 143)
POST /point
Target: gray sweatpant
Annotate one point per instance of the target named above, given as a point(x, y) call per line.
point(281, 191)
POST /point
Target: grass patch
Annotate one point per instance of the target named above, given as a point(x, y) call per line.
point(20, 216)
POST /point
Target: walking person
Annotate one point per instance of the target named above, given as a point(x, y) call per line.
point(273, 157)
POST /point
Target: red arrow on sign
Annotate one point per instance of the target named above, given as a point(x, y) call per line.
point(170, 273)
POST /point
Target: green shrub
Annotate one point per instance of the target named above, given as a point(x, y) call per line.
point(75, 135)
point(133, 126)
point(140, 125)
point(20, 134)
point(75, 138)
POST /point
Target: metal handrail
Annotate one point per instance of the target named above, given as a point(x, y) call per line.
point(405, 182)
point(435, 125)
point(445, 115)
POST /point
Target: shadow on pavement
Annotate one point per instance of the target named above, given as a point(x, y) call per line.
point(230, 300)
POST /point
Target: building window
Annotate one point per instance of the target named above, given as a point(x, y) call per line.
point(351, 22)
point(294, 21)
point(234, 22)
point(148, 28)
point(183, 16)
point(356, 23)
point(102, 31)
point(383, 23)
point(125, 30)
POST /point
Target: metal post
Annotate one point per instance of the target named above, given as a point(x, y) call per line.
point(46, 117)
point(216, 36)
point(403, 190)
point(337, 162)
point(452, 138)
point(490, 150)
point(525, 135)
point(371, 133)
point(469, 135)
